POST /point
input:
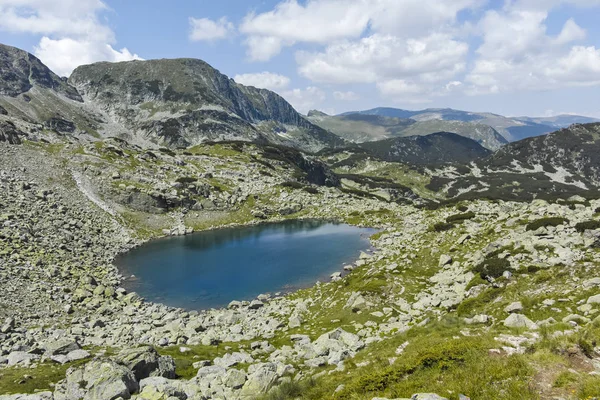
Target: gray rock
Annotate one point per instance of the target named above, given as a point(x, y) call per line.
point(21, 358)
point(9, 325)
point(97, 380)
point(145, 362)
point(427, 396)
point(445, 260)
point(235, 379)
point(514, 307)
point(36, 396)
point(76, 355)
point(256, 304)
point(519, 321)
point(158, 388)
point(594, 299)
point(61, 347)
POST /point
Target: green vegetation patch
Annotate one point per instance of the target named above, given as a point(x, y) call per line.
point(546, 222)
point(587, 225)
point(459, 218)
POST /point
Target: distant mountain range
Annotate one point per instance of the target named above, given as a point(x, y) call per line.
point(361, 128)
point(512, 129)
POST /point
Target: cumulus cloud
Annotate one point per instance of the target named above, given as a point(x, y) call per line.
point(345, 96)
point(517, 52)
point(63, 55)
point(324, 21)
point(305, 100)
point(204, 29)
point(72, 33)
point(264, 80)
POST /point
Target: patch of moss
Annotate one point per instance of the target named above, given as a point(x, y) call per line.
point(587, 225)
point(546, 222)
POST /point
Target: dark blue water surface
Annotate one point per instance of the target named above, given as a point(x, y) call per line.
point(211, 268)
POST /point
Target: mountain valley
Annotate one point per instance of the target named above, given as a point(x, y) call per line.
point(485, 262)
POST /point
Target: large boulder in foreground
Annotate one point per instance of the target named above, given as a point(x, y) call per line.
point(97, 380)
point(145, 362)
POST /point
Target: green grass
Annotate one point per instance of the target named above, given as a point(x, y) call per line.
point(40, 378)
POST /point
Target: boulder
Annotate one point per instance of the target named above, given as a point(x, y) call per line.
point(36, 396)
point(514, 307)
point(235, 379)
point(594, 299)
point(8, 326)
point(145, 362)
point(427, 396)
point(61, 347)
point(260, 380)
point(21, 358)
point(97, 380)
point(519, 321)
point(445, 260)
point(159, 388)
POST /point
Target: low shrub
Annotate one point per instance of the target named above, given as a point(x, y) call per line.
point(186, 179)
point(292, 184)
point(310, 189)
point(587, 225)
point(493, 267)
point(442, 227)
point(546, 222)
point(458, 218)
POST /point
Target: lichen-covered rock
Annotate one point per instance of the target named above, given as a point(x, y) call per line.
point(97, 380)
point(144, 362)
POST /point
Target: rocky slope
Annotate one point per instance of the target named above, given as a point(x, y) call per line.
point(448, 293)
point(360, 128)
point(185, 101)
point(434, 149)
point(559, 164)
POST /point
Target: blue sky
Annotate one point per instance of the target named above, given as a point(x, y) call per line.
point(517, 57)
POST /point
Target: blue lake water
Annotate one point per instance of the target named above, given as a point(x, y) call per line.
point(211, 268)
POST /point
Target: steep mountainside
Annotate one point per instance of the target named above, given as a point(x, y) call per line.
point(34, 99)
point(511, 128)
point(186, 101)
point(365, 128)
point(437, 148)
point(562, 163)
point(160, 102)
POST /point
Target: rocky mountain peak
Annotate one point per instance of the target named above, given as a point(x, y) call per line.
point(20, 71)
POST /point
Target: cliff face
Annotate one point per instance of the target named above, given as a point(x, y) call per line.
point(20, 71)
point(186, 101)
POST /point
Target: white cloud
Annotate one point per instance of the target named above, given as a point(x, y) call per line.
point(304, 100)
point(581, 67)
point(345, 96)
point(264, 80)
point(518, 53)
point(326, 21)
point(379, 57)
point(63, 55)
point(204, 29)
point(58, 17)
point(71, 31)
point(263, 48)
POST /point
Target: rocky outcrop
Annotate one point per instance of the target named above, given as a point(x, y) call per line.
point(97, 380)
point(10, 133)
